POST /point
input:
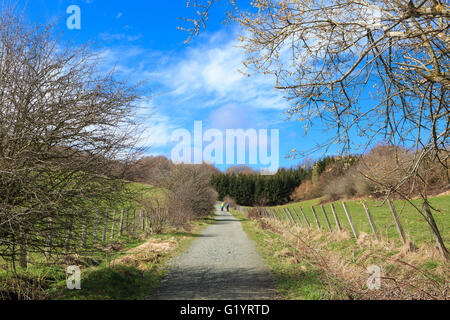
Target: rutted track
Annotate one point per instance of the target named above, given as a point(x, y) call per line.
point(221, 264)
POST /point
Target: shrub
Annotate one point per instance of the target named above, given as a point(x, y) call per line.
point(191, 194)
point(383, 169)
point(340, 187)
point(255, 213)
point(307, 190)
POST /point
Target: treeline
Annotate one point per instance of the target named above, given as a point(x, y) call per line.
point(254, 188)
point(382, 171)
point(375, 174)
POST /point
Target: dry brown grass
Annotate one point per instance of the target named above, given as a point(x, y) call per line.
point(149, 251)
point(345, 269)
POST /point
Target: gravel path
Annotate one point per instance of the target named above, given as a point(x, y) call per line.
point(221, 264)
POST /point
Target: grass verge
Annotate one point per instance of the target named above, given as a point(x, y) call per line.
point(296, 280)
point(311, 263)
point(131, 270)
point(134, 273)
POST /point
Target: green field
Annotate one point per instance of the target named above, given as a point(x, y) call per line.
point(41, 273)
point(414, 225)
point(127, 281)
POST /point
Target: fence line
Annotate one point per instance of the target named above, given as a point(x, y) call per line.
point(294, 219)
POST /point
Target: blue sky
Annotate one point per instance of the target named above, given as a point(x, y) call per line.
point(188, 82)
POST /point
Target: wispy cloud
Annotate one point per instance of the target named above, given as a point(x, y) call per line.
point(202, 82)
point(211, 70)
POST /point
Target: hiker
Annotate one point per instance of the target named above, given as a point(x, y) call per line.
point(228, 207)
point(221, 207)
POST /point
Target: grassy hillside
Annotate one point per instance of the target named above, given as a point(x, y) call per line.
point(413, 223)
point(309, 263)
point(41, 274)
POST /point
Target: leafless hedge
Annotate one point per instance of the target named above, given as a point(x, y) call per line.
point(61, 124)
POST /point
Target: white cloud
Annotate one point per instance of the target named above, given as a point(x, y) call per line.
point(212, 69)
point(158, 132)
point(200, 83)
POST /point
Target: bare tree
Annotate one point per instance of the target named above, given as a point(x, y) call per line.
point(373, 69)
point(190, 192)
point(62, 123)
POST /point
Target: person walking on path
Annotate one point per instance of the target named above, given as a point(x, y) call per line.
point(221, 207)
point(228, 207)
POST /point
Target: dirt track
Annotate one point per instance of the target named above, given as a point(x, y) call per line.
point(221, 264)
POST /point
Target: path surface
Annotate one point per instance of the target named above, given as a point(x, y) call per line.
point(221, 264)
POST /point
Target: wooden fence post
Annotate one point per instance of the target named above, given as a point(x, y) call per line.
point(145, 224)
point(127, 225)
point(298, 217)
point(105, 224)
point(139, 220)
point(326, 217)
point(315, 217)
point(112, 224)
point(69, 234)
point(372, 224)
point(304, 216)
point(287, 216)
point(84, 230)
point(292, 217)
point(272, 211)
point(435, 231)
point(49, 240)
point(349, 218)
point(280, 214)
point(397, 222)
point(336, 219)
point(94, 233)
point(121, 222)
point(133, 225)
